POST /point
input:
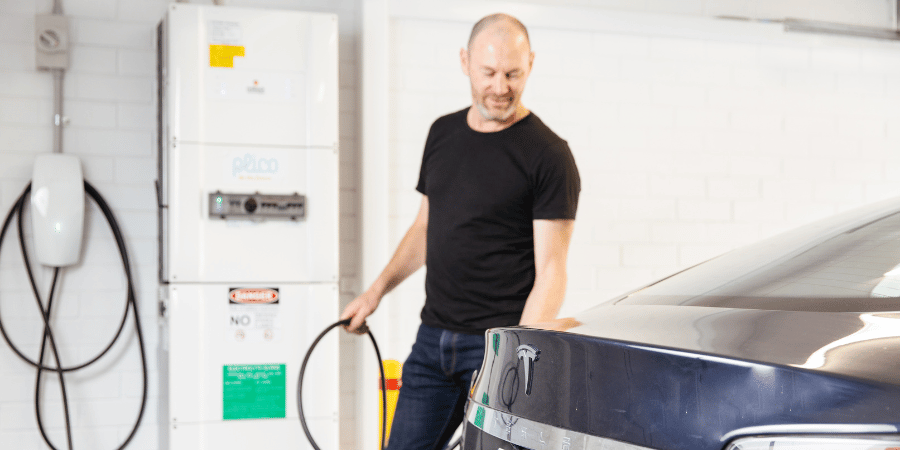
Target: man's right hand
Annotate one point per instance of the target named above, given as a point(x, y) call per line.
point(409, 257)
point(358, 310)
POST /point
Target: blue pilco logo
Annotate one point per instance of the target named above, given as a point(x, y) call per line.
point(249, 164)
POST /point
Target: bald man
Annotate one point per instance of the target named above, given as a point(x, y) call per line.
point(499, 194)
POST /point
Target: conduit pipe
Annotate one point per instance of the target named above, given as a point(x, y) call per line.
point(58, 75)
point(58, 119)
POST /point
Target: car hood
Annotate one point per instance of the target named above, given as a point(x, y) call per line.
point(861, 345)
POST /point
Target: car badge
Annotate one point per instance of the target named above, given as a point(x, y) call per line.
point(528, 354)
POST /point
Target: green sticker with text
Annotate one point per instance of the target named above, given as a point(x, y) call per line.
point(254, 391)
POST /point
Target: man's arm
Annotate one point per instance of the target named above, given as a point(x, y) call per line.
point(551, 249)
point(409, 257)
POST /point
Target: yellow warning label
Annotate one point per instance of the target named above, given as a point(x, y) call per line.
point(223, 55)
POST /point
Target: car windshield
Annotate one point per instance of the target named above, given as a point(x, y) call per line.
point(850, 262)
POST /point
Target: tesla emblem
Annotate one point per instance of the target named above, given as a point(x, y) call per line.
point(528, 354)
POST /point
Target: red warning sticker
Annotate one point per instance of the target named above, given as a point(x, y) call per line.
point(253, 295)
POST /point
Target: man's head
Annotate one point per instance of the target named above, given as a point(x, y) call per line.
point(497, 61)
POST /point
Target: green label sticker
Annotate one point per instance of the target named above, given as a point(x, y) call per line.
point(485, 400)
point(496, 344)
point(255, 391)
point(479, 418)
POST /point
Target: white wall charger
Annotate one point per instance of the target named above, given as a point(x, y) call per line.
point(57, 209)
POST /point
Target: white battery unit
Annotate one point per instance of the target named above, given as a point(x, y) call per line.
point(248, 164)
point(235, 353)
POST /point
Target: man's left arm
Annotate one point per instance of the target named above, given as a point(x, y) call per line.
point(551, 249)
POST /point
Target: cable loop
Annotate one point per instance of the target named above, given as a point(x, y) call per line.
point(131, 302)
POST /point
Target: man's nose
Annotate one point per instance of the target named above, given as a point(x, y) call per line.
point(500, 85)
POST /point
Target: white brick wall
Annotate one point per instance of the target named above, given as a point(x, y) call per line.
point(110, 100)
point(687, 146)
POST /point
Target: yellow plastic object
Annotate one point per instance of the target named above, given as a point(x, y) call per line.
point(223, 55)
point(393, 370)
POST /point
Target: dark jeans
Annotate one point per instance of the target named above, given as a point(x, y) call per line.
point(436, 379)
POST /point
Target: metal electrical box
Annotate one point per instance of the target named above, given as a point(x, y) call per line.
point(51, 38)
point(248, 191)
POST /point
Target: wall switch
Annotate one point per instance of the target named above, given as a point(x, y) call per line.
point(51, 35)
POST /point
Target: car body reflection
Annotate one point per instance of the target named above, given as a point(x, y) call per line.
point(790, 343)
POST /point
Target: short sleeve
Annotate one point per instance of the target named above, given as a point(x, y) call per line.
point(556, 183)
point(422, 185)
point(423, 179)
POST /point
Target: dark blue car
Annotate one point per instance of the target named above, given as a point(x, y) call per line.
point(792, 343)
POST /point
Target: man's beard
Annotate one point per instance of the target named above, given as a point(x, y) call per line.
point(501, 116)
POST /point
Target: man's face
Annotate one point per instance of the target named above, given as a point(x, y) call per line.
point(498, 65)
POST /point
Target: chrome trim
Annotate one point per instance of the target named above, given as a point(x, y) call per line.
point(842, 442)
point(811, 428)
point(538, 436)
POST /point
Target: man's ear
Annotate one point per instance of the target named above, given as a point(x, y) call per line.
point(464, 61)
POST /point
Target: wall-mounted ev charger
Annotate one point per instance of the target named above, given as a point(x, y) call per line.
point(57, 208)
point(56, 195)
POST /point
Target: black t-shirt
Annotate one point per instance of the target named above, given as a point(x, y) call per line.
point(484, 190)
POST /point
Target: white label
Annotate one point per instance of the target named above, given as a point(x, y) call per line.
point(224, 33)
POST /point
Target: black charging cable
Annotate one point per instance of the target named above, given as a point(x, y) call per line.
point(383, 387)
point(131, 302)
point(303, 372)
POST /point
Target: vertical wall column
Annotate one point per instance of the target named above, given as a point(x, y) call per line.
point(375, 202)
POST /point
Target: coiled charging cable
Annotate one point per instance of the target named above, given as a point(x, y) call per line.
point(131, 302)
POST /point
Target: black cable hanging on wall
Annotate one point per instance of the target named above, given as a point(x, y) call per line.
point(47, 335)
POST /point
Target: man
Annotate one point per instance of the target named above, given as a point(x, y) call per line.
point(499, 197)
